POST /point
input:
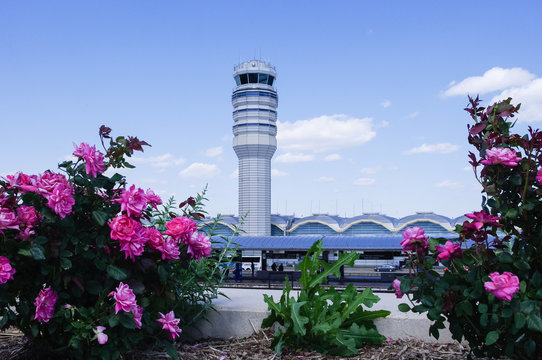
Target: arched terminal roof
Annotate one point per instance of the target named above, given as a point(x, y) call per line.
point(363, 225)
point(446, 223)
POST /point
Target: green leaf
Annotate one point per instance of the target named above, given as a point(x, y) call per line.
point(529, 347)
point(116, 273)
point(3, 321)
point(511, 213)
point(404, 307)
point(492, 337)
point(38, 252)
point(484, 319)
point(65, 263)
point(482, 308)
point(170, 350)
point(344, 259)
point(25, 252)
point(100, 217)
point(519, 320)
point(364, 316)
point(113, 321)
point(505, 258)
point(298, 320)
point(534, 322)
point(34, 329)
point(127, 321)
point(278, 340)
point(163, 272)
point(464, 307)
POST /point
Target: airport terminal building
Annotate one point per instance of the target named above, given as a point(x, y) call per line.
point(376, 237)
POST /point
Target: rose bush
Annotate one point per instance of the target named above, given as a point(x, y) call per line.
point(490, 292)
point(88, 265)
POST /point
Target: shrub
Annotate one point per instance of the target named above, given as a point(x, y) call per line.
point(491, 289)
point(324, 320)
point(92, 268)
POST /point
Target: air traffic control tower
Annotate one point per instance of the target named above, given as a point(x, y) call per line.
point(255, 103)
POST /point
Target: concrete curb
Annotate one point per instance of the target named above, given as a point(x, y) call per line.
point(242, 314)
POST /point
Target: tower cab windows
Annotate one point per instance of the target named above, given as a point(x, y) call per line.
point(254, 78)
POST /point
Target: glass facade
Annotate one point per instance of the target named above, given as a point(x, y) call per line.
point(254, 78)
point(428, 226)
point(241, 94)
point(257, 109)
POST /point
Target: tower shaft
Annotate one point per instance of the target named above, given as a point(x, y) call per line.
point(254, 103)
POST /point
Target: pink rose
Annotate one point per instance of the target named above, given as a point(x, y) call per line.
point(28, 219)
point(169, 249)
point(481, 219)
point(154, 238)
point(539, 176)
point(48, 181)
point(170, 323)
point(100, 335)
point(27, 215)
point(502, 286)
point(61, 200)
point(135, 246)
point(94, 160)
point(45, 305)
point(138, 313)
point(8, 219)
point(181, 228)
point(448, 250)
point(397, 286)
point(414, 239)
point(500, 155)
point(123, 228)
point(132, 248)
point(153, 199)
point(199, 246)
point(6, 271)
point(124, 297)
point(20, 179)
point(132, 201)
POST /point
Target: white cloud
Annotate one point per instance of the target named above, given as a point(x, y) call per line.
point(530, 97)
point(449, 184)
point(333, 157)
point(277, 172)
point(214, 151)
point(369, 170)
point(199, 171)
point(324, 179)
point(161, 161)
point(234, 174)
point(385, 103)
point(293, 158)
point(413, 115)
point(364, 181)
point(494, 79)
point(443, 148)
point(324, 133)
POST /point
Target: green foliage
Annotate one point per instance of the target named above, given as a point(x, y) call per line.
point(511, 242)
point(79, 260)
point(321, 319)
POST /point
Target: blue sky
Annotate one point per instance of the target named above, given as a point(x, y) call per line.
point(377, 90)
